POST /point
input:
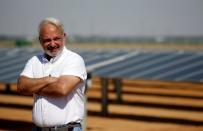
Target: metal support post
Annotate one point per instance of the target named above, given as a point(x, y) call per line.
point(118, 88)
point(104, 83)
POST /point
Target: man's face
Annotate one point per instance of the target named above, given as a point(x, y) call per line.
point(52, 40)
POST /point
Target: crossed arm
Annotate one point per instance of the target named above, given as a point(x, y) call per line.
point(47, 86)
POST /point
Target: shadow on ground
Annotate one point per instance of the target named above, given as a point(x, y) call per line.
point(15, 125)
point(148, 118)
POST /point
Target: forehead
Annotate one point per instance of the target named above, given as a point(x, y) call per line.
point(50, 29)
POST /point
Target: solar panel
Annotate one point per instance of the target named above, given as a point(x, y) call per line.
point(129, 64)
point(173, 66)
point(13, 60)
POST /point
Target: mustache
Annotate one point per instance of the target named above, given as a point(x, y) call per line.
point(51, 47)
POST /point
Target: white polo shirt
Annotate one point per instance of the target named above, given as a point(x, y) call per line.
point(52, 111)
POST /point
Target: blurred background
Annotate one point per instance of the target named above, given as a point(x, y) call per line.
point(144, 60)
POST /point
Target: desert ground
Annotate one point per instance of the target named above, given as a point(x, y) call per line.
point(185, 114)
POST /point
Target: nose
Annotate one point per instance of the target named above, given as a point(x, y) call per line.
point(52, 42)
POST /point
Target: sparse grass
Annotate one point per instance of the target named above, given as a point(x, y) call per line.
point(7, 43)
point(119, 45)
point(147, 46)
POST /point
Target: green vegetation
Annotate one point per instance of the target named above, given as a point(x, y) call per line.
point(20, 43)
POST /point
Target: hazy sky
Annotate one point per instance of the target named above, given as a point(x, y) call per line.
point(105, 17)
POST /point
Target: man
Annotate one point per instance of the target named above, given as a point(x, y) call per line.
point(56, 78)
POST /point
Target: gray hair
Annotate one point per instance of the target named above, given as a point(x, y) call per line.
point(53, 21)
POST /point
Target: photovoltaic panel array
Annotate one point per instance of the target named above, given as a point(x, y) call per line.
point(126, 64)
point(170, 66)
point(13, 60)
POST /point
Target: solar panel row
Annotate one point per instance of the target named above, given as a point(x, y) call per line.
point(172, 66)
point(131, 64)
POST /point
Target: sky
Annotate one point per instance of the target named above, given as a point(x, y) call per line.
point(105, 17)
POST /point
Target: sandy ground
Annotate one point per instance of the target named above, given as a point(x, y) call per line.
point(15, 119)
point(15, 114)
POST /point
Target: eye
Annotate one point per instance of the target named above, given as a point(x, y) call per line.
point(46, 40)
point(57, 39)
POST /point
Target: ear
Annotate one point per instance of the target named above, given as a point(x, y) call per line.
point(39, 40)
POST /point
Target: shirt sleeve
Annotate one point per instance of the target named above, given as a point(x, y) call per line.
point(76, 68)
point(28, 69)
